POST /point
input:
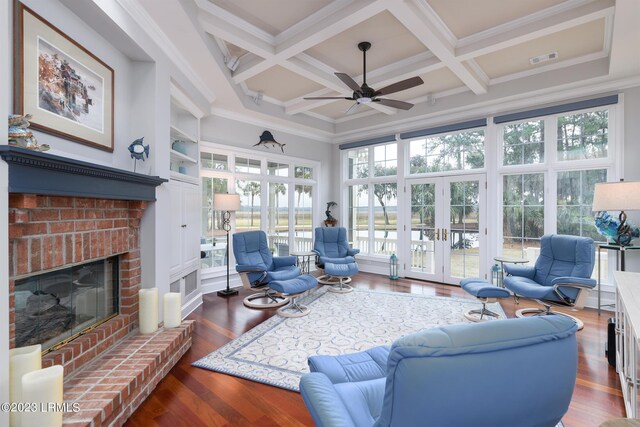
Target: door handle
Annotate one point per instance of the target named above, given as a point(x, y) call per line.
point(444, 234)
point(438, 234)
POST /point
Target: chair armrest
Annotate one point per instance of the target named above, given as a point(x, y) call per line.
point(520, 270)
point(284, 261)
point(353, 251)
point(322, 401)
point(243, 268)
point(573, 281)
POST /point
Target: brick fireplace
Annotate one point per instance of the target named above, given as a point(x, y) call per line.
point(49, 232)
point(64, 213)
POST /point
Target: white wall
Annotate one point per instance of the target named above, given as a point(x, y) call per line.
point(4, 215)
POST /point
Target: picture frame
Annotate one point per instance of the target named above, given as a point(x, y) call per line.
point(67, 90)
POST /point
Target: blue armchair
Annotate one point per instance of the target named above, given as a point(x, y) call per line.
point(456, 375)
point(332, 250)
point(561, 275)
point(257, 267)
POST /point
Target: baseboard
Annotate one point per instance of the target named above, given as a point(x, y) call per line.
point(219, 283)
point(191, 305)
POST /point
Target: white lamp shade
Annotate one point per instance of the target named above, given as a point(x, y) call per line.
point(616, 196)
point(226, 202)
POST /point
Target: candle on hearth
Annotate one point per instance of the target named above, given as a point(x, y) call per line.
point(43, 390)
point(172, 310)
point(148, 310)
point(21, 361)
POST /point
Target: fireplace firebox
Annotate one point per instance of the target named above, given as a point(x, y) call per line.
point(54, 307)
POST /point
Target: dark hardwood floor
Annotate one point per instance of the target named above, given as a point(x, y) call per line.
point(194, 397)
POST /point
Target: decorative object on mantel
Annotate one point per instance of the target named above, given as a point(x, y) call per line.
point(226, 203)
point(330, 221)
point(148, 310)
point(138, 151)
point(20, 136)
point(618, 196)
point(22, 360)
point(269, 141)
point(68, 89)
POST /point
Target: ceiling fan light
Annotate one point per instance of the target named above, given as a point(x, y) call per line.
point(364, 100)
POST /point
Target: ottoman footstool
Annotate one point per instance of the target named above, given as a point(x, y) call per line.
point(293, 288)
point(338, 275)
point(486, 293)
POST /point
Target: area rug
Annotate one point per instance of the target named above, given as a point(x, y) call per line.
point(276, 351)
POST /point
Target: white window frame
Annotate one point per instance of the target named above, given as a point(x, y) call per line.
point(264, 178)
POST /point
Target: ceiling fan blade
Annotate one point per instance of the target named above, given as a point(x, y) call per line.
point(394, 103)
point(402, 85)
point(346, 79)
point(328, 97)
point(353, 108)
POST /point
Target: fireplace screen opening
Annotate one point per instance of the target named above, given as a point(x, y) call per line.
point(55, 307)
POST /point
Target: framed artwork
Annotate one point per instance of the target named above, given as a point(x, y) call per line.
point(67, 90)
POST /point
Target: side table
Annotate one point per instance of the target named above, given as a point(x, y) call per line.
point(510, 260)
point(620, 263)
point(304, 260)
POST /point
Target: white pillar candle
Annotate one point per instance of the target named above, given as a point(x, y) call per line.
point(172, 310)
point(21, 361)
point(148, 310)
point(43, 389)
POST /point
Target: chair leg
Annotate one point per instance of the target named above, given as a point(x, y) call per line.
point(546, 311)
point(294, 309)
point(478, 315)
point(265, 299)
point(341, 287)
point(326, 279)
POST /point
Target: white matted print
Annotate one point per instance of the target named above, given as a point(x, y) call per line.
point(67, 90)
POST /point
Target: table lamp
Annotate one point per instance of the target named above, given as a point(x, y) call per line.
point(618, 196)
point(226, 203)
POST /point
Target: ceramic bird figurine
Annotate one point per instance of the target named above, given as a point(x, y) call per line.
point(269, 141)
point(138, 151)
point(22, 137)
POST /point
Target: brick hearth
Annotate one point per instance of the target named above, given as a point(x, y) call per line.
point(49, 232)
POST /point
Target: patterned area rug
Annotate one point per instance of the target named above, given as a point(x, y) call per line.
point(276, 351)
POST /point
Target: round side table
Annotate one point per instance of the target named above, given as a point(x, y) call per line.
point(510, 260)
point(304, 260)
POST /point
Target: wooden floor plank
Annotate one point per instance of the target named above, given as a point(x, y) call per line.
point(193, 397)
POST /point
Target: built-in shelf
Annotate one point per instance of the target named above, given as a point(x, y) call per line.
point(177, 133)
point(184, 177)
point(178, 156)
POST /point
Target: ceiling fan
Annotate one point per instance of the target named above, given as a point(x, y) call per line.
point(365, 94)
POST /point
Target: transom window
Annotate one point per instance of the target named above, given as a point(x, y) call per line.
point(447, 152)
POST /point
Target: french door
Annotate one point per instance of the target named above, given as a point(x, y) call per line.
point(446, 231)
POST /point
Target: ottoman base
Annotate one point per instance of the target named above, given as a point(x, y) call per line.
point(486, 293)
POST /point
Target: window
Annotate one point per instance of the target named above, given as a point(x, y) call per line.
point(455, 151)
point(575, 196)
point(278, 216)
point(274, 196)
point(522, 214)
point(248, 217)
point(247, 165)
point(465, 229)
point(385, 160)
point(385, 218)
point(523, 143)
point(277, 169)
point(358, 163)
point(303, 217)
point(213, 161)
point(358, 217)
point(583, 136)
point(213, 238)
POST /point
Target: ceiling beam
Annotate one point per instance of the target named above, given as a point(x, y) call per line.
point(418, 22)
point(475, 46)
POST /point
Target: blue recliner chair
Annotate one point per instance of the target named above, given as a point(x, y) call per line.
point(257, 267)
point(561, 275)
point(456, 375)
point(334, 257)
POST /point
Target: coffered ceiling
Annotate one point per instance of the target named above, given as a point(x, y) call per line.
point(464, 50)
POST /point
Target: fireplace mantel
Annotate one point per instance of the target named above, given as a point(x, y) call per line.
point(33, 172)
